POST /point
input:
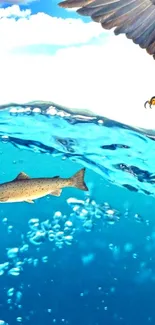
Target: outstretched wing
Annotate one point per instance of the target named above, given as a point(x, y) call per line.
point(135, 18)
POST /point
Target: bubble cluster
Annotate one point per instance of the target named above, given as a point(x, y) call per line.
point(59, 230)
point(88, 211)
point(14, 297)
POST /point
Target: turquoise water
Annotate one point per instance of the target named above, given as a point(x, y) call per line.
point(82, 258)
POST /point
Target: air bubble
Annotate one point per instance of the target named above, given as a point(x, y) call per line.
point(15, 271)
point(57, 215)
point(88, 225)
point(68, 223)
point(35, 262)
point(9, 301)
point(30, 260)
point(68, 239)
point(56, 227)
point(19, 319)
point(2, 322)
point(138, 218)
point(134, 255)
point(12, 252)
point(59, 236)
point(72, 201)
point(38, 238)
point(10, 292)
point(3, 267)
point(5, 220)
point(111, 246)
point(45, 225)
point(45, 259)
point(18, 296)
point(10, 228)
point(51, 235)
point(33, 224)
point(24, 248)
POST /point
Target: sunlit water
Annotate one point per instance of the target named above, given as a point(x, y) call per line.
point(82, 258)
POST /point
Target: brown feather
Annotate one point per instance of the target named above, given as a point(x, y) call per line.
point(135, 18)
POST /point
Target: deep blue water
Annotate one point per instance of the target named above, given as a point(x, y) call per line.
point(82, 258)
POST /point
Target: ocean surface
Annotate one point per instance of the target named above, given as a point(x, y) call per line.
point(84, 258)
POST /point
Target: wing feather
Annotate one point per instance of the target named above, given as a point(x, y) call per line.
point(135, 18)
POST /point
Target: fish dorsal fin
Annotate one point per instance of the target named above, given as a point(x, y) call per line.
point(21, 176)
point(55, 177)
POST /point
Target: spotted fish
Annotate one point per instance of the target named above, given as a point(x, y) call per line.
point(25, 188)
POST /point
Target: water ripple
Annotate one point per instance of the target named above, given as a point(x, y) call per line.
point(121, 154)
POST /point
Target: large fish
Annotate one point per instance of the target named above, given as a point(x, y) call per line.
point(24, 188)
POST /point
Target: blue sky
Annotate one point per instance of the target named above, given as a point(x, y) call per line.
point(49, 7)
point(52, 8)
point(49, 53)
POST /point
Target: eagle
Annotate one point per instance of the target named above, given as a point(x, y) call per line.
point(134, 18)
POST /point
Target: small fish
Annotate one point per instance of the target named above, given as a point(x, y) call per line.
point(23, 188)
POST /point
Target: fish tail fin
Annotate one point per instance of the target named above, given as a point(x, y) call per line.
point(78, 180)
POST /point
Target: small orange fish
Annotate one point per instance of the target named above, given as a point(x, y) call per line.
point(24, 188)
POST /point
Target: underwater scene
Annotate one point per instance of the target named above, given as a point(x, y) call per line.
point(81, 257)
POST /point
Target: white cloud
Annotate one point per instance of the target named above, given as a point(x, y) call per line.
point(113, 78)
point(14, 11)
point(42, 29)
